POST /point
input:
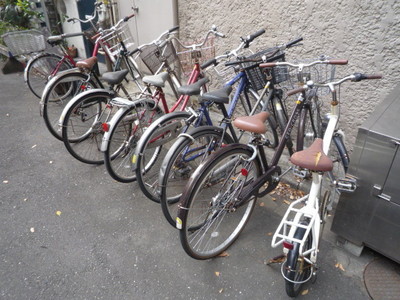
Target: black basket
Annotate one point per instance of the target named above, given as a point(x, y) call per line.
point(257, 77)
point(153, 56)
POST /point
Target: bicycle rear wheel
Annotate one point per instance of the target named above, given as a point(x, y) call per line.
point(182, 160)
point(310, 124)
point(124, 136)
point(210, 218)
point(40, 70)
point(58, 92)
point(155, 143)
point(296, 269)
point(82, 130)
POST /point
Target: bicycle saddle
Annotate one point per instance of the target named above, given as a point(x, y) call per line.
point(313, 158)
point(87, 63)
point(157, 80)
point(218, 96)
point(194, 88)
point(254, 123)
point(114, 77)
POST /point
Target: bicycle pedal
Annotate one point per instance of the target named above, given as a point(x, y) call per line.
point(302, 173)
point(347, 184)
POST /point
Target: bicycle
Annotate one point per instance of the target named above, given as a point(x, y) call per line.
point(219, 197)
point(146, 168)
point(301, 227)
point(41, 68)
point(66, 85)
point(82, 118)
point(191, 148)
point(123, 136)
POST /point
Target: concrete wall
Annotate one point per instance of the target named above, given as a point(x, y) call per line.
point(366, 32)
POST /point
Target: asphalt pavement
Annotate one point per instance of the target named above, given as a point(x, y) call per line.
point(68, 231)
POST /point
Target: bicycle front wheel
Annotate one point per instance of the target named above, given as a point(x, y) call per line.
point(82, 130)
point(41, 69)
point(58, 92)
point(182, 160)
point(210, 217)
point(124, 136)
point(155, 143)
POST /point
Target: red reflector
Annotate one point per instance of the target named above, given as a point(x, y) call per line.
point(245, 172)
point(288, 245)
point(105, 127)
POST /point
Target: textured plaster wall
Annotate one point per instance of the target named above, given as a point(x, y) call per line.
point(365, 32)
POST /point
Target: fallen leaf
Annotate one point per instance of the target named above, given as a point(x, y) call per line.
point(221, 290)
point(291, 197)
point(217, 274)
point(273, 199)
point(34, 146)
point(269, 233)
point(304, 292)
point(286, 202)
point(262, 204)
point(58, 213)
point(278, 259)
point(32, 229)
point(340, 267)
point(224, 254)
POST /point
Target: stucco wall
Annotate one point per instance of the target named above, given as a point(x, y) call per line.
point(365, 32)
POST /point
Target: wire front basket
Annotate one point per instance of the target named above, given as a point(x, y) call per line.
point(114, 38)
point(188, 56)
point(24, 42)
point(153, 57)
point(256, 75)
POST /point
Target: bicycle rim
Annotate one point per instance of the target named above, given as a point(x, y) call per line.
point(181, 160)
point(124, 138)
point(82, 130)
point(211, 222)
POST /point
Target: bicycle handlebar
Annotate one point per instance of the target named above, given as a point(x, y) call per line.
point(213, 30)
point(354, 78)
point(302, 65)
point(247, 41)
point(91, 18)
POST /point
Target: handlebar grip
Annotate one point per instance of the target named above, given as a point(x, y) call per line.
point(268, 65)
point(338, 61)
point(254, 35)
point(359, 76)
point(221, 35)
point(173, 29)
point(292, 43)
point(128, 17)
point(295, 91)
point(208, 63)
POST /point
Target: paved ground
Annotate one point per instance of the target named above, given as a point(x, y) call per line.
point(109, 242)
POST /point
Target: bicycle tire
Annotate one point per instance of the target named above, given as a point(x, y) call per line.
point(125, 133)
point(281, 119)
point(310, 124)
point(82, 130)
point(291, 267)
point(41, 68)
point(209, 217)
point(58, 92)
point(178, 166)
point(155, 142)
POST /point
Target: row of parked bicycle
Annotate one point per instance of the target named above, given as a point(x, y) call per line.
point(205, 174)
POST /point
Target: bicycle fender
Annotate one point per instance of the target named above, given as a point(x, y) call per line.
point(196, 174)
point(51, 82)
point(114, 120)
point(150, 130)
point(34, 58)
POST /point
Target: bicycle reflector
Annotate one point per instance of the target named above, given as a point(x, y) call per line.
point(105, 126)
point(287, 245)
point(244, 172)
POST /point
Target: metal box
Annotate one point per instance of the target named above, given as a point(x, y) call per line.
point(370, 216)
